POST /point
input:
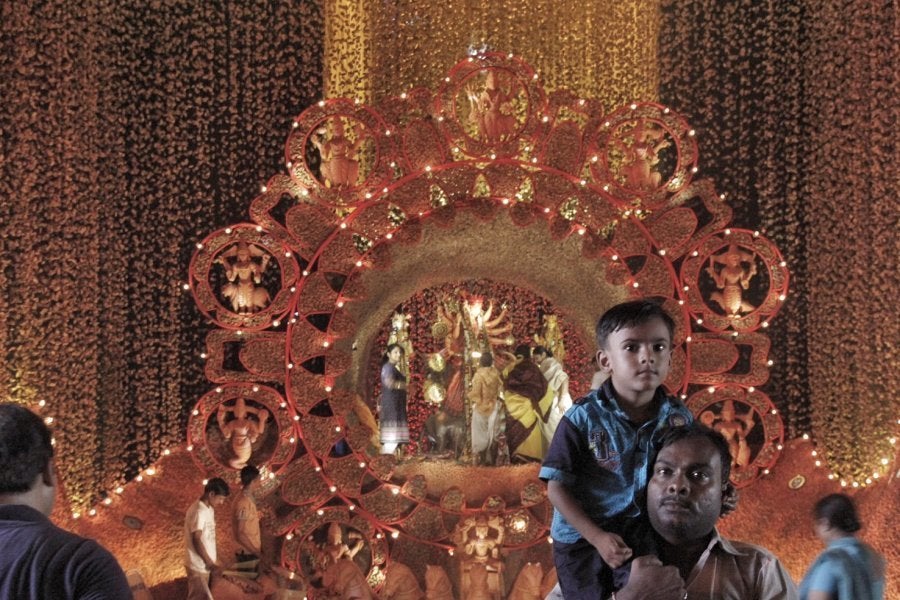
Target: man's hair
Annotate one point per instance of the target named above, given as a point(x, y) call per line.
point(25, 448)
point(523, 350)
point(631, 314)
point(839, 511)
point(541, 350)
point(692, 431)
point(486, 359)
point(249, 474)
point(216, 486)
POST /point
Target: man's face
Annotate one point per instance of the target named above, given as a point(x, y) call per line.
point(637, 358)
point(684, 495)
point(538, 357)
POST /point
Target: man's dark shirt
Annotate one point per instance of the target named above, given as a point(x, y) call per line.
point(38, 560)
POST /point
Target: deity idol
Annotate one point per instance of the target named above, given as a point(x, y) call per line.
point(340, 163)
point(491, 110)
point(244, 265)
point(738, 269)
point(734, 428)
point(241, 430)
point(642, 157)
point(480, 540)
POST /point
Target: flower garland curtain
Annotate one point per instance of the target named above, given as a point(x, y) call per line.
point(795, 105)
point(602, 49)
point(128, 132)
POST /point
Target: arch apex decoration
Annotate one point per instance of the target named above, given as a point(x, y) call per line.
point(363, 181)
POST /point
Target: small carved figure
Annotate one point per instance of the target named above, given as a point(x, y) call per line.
point(242, 430)
point(642, 156)
point(528, 583)
point(340, 164)
point(548, 582)
point(345, 580)
point(244, 265)
point(479, 586)
point(335, 565)
point(480, 540)
point(400, 584)
point(738, 269)
point(437, 584)
point(491, 110)
point(336, 548)
point(734, 428)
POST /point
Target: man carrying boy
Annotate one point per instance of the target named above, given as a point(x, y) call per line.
point(597, 464)
point(688, 492)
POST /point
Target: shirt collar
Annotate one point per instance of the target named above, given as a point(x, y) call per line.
point(724, 544)
point(842, 542)
point(21, 512)
point(606, 395)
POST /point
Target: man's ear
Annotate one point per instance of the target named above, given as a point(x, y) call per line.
point(729, 498)
point(48, 475)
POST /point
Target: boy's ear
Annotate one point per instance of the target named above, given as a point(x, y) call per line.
point(602, 361)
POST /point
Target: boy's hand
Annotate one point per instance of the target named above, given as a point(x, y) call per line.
point(650, 580)
point(612, 548)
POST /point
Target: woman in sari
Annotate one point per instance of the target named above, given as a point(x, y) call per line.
point(528, 401)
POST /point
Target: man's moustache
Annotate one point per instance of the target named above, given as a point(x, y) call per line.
point(675, 501)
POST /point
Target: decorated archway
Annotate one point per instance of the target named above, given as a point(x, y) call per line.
point(490, 184)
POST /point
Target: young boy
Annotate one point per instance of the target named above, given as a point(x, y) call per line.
point(597, 464)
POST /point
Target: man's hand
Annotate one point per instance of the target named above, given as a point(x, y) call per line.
point(612, 548)
point(650, 580)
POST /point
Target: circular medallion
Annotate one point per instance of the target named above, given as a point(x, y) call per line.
point(734, 280)
point(241, 277)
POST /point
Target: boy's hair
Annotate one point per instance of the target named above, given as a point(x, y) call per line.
point(694, 430)
point(631, 314)
point(249, 474)
point(542, 350)
point(25, 448)
point(839, 511)
point(216, 486)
